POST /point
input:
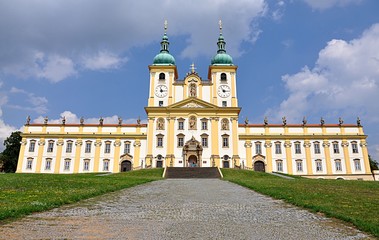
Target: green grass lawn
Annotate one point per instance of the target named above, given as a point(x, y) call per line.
point(356, 202)
point(22, 194)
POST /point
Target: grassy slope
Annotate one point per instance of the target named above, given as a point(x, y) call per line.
point(22, 194)
point(352, 201)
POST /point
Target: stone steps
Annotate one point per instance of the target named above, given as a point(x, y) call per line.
point(192, 172)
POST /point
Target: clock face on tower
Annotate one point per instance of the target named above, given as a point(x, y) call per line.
point(223, 91)
point(161, 91)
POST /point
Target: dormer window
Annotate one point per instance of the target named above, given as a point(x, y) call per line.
point(162, 76)
point(223, 77)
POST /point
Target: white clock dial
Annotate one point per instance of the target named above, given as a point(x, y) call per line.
point(161, 91)
point(223, 91)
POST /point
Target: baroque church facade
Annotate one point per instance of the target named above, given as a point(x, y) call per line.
point(193, 122)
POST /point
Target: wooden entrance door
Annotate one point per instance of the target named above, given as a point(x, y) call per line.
point(259, 166)
point(159, 164)
point(126, 166)
point(225, 164)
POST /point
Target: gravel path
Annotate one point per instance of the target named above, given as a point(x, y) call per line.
point(179, 209)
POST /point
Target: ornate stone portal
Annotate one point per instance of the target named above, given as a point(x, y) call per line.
point(192, 152)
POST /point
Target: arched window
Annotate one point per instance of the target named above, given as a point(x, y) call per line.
point(86, 164)
point(357, 165)
point(48, 164)
point(32, 145)
point(354, 146)
point(160, 124)
point(223, 77)
point(29, 163)
point(162, 76)
point(299, 165)
point(318, 165)
point(106, 165)
point(224, 124)
point(67, 163)
point(338, 165)
point(50, 146)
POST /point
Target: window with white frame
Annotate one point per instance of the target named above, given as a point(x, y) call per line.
point(297, 148)
point(338, 164)
point(318, 165)
point(258, 148)
point(67, 163)
point(50, 146)
point(107, 148)
point(357, 165)
point(204, 125)
point(204, 140)
point(354, 147)
point(29, 163)
point(279, 165)
point(88, 147)
point(316, 147)
point(69, 147)
point(336, 148)
point(86, 164)
point(32, 145)
point(278, 148)
point(299, 165)
point(48, 164)
point(180, 124)
point(159, 140)
point(127, 147)
point(224, 104)
point(225, 141)
point(180, 140)
point(106, 165)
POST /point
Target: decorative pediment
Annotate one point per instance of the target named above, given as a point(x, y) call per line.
point(126, 156)
point(193, 103)
point(259, 157)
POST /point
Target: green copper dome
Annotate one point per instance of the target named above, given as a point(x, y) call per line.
point(164, 57)
point(221, 58)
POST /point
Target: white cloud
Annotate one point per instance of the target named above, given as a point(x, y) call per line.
point(38, 104)
point(5, 129)
point(325, 4)
point(345, 81)
point(56, 40)
point(103, 60)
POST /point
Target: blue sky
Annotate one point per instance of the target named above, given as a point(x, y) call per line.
point(314, 58)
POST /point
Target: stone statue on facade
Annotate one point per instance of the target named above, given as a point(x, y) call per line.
point(246, 121)
point(304, 121)
point(28, 120)
point(81, 121)
point(340, 121)
point(45, 120)
point(322, 121)
point(225, 124)
point(119, 121)
point(265, 121)
point(139, 120)
point(101, 121)
point(192, 123)
point(284, 121)
point(358, 122)
point(64, 120)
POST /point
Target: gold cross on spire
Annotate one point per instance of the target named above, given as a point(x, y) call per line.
point(165, 26)
point(220, 24)
point(192, 68)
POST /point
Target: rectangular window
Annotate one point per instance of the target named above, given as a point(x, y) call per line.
point(278, 148)
point(160, 142)
point(32, 146)
point(354, 146)
point(224, 104)
point(279, 166)
point(181, 125)
point(48, 164)
point(336, 148)
point(86, 165)
point(297, 148)
point(225, 141)
point(106, 165)
point(67, 165)
point(29, 164)
point(127, 148)
point(258, 148)
point(299, 166)
point(180, 141)
point(357, 164)
point(204, 141)
point(317, 148)
point(338, 165)
point(50, 147)
point(160, 103)
point(88, 147)
point(107, 148)
point(318, 166)
point(69, 147)
point(204, 125)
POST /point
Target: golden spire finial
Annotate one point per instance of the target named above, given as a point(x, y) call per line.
point(165, 26)
point(220, 24)
point(192, 68)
